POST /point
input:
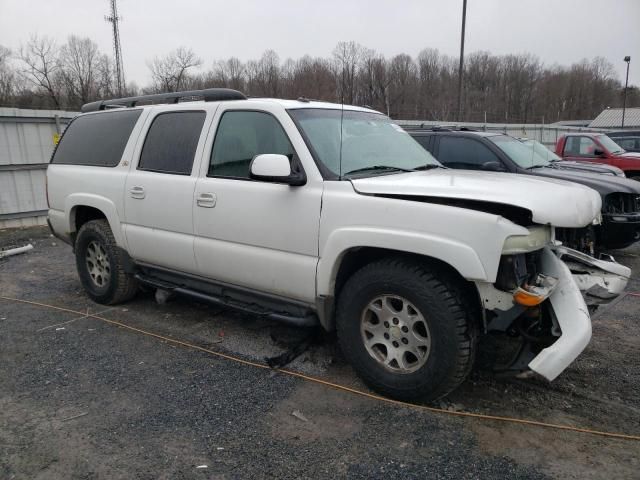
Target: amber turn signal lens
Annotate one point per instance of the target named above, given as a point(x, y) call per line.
point(528, 299)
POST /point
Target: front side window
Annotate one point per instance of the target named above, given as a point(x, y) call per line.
point(240, 137)
point(171, 142)
point(465, 153)
point(348, 141)
point(581, 147)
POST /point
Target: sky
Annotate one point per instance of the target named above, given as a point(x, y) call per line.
point(557, 31)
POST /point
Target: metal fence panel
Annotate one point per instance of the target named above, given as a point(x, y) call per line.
point(26, 144)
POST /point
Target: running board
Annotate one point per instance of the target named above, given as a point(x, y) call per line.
point(302, 322)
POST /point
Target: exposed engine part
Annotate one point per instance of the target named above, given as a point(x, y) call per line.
point(516, 270)
point(535, 329)
point(581, 239)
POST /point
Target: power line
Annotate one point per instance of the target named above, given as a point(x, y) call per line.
point(114, 19)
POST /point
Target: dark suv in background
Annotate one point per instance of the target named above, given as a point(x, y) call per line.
point(475, 150)
point(629, 140)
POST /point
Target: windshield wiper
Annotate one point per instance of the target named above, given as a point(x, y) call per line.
point(429, 166)
point(541, 166)
point(379, 167)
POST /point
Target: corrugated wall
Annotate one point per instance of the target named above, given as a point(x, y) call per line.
point(26, 144)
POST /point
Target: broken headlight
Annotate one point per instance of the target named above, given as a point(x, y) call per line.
point(538, 237)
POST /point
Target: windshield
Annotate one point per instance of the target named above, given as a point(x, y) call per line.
point(541, 150)
point(369, 140)
point(524, 155)
point(610, 145)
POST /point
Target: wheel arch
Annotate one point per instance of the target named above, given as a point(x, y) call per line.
point(81, 208)
point(354, 258)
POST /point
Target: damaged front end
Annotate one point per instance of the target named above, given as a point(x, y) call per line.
point(542, 296)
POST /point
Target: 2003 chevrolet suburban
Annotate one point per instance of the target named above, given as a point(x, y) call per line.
point(311, 212)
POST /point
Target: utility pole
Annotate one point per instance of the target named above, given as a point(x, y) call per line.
point(626, 83)
point(460, 70)
point(117, 50)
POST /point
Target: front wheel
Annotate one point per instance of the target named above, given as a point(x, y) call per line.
point(406, 332)
point(100, 265)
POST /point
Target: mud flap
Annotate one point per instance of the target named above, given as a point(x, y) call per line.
point(573, 319)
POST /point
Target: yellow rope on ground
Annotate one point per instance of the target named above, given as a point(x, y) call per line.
point(330, 384)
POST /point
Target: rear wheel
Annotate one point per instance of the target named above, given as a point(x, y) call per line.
point(405, 331)
point(100, 265)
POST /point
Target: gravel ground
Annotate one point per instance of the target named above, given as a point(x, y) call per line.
point(80, 398)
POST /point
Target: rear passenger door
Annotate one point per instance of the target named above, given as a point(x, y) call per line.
point(159, 190)
point(255, 234)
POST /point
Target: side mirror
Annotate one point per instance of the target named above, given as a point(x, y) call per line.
point(598, 153)
point(494, 167)
point(273, 167)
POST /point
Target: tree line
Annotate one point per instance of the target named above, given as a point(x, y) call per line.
point(515, 88)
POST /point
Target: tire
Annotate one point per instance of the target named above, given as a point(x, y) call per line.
point(100, 265)
point(443, 333)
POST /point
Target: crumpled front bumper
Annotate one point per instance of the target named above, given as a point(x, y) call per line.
point(600, 281)
point(572, 317)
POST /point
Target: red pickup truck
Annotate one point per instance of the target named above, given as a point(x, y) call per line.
point(597, 147)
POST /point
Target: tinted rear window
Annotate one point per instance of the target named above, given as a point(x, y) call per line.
point(97, 140)
point(171, 142)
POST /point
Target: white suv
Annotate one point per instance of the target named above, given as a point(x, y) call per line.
point(312, 212)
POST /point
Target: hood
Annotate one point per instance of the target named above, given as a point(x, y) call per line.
point(603, 184)
point(629, 155)
point(550, 201)
point(589, 167)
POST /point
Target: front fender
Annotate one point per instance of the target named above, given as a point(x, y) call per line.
point(460, 256)
point(99, 202)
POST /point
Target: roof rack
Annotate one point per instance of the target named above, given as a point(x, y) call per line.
point(208, 95)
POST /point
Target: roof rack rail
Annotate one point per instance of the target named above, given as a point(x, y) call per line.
point(208, 95)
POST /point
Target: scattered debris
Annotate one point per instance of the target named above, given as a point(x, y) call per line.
point(220, 448)
point(75, 416)
point(202, 466)
point(315, 336)
point(298, 414)
point(15, 251)
point(162, 296)
point(60, 328)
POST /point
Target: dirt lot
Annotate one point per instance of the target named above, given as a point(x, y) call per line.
point(80, 398)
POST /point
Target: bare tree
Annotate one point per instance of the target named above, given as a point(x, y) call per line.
point(80, 60)
point(8, 77)
point(347, 56)
point(41, 59)
point(170, 72)
point(507, 88)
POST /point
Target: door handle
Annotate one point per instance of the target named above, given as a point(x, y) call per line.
point(137, 192)
point(206, 200)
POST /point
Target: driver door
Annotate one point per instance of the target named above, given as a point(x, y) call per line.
point(255, 234)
